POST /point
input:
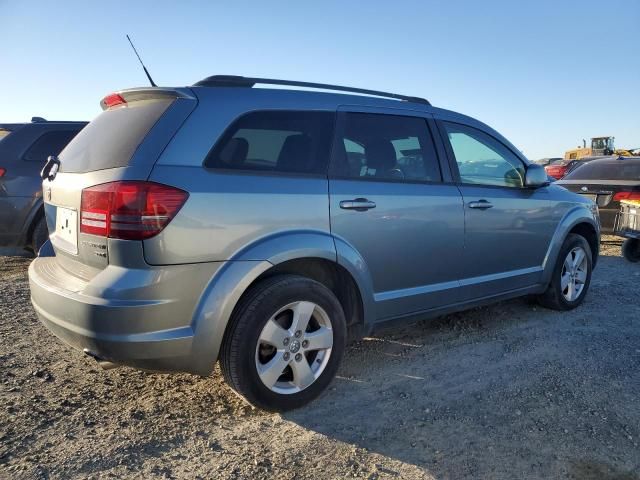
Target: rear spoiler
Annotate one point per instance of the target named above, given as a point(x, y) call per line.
point(148, 93)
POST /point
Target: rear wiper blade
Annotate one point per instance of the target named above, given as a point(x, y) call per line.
point(51, 168)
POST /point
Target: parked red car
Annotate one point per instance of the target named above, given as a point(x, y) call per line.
point(558, 168)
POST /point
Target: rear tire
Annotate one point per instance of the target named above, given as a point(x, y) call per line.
point(571, 275)
point(631, 249)
point(271, 355)
point(39, 236)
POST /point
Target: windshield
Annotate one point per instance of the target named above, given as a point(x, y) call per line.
point(602, 143)
point(598, 143)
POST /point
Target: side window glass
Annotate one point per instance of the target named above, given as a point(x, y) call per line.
point(354, 157)
point(276, 141)
point(50, 143)
point(483, 160)
point(385, 147)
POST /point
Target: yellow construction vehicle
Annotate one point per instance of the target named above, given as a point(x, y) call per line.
point(599, 146)
point(630, 152)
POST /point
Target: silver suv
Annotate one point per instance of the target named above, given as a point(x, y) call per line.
point(264, 227)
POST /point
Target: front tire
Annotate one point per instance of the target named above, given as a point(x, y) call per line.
point(284, 344)
point(571, 276)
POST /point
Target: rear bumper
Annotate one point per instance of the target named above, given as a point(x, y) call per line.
point(140, 318)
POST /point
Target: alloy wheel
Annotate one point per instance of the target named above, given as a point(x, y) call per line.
point(294, 347)
point(574, 274)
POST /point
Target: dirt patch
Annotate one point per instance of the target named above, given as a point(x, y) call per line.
point(508, 391)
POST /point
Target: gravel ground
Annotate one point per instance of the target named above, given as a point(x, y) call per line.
point(508, 391)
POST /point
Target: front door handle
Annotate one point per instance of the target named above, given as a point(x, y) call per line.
point(481, 204)
point(358, 204)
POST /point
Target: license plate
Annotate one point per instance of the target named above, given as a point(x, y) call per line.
point(591, 196)
point(66, 235)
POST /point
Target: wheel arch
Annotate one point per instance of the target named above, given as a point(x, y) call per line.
point(333, 276)
point(578, 220)
point(589, 232)
point(325, 258)
point(307, 253)
point(35, 214)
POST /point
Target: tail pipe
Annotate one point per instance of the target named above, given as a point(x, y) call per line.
point(104, 364)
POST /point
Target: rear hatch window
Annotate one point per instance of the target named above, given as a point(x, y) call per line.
point(50, 143)
point(614, 170)
point(6, 129)
point(111, 139)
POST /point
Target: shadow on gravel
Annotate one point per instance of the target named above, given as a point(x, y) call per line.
point(600, 471)
point(15, 252)
point(406, 395)
point(511, 389)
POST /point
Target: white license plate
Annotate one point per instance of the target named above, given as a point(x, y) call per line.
point(67, 229)
point(591, 196)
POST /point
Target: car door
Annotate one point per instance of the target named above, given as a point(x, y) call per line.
point(391, 204)
point(508, 227)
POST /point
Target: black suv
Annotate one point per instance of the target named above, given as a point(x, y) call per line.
point(24, 148)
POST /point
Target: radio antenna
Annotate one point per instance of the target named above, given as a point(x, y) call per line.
point(141, 63)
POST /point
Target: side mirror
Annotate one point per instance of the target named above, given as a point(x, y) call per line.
point(535, 176)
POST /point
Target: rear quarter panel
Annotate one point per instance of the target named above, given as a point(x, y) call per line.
point(228, 214)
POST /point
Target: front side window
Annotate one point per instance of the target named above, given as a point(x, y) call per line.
point(384, 147)
point(482, 160)
point(276, 141)
point(51, 143)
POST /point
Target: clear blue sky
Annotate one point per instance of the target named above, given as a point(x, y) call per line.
point(542, 73)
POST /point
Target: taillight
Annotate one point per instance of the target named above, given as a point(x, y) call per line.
point(626, 196)
point(113, 100)
point(2, 172)
point(556, 171)
point(129, 210)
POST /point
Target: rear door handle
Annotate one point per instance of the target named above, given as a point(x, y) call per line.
point(358, 204)
point(481, 204)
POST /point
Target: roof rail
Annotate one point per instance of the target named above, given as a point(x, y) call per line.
point(238, 81)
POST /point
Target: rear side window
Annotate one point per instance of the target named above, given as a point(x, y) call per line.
point(614, 170)
point(275, 141)
point(50, 143)
point(111, 139)
point(384, 147)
